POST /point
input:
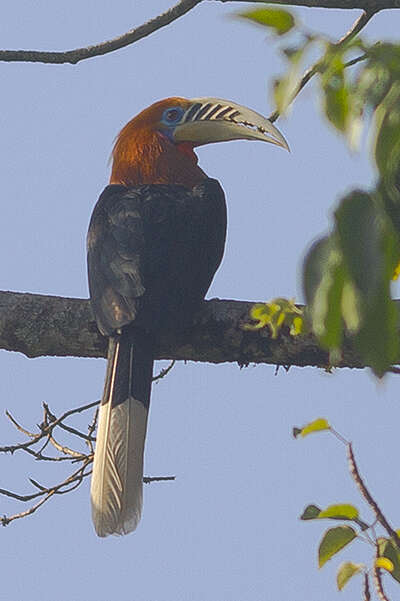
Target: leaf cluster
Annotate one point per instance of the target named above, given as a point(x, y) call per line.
point(386, 549)
point(347, 274)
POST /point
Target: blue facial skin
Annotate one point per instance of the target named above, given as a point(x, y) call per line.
point(170, 119)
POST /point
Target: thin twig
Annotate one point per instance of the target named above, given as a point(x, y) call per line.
point(357, 26)
point(66, 450)
point(368, 497)
point(75, 479)
point(19, 427)
point(318, 66)
point(342, 4)
point(164, 372)
point(377, 574)
point(148, 479)
point(366, 591)
point(91, 429)
point(58, 421)
point(78, 54)
point(46, 434)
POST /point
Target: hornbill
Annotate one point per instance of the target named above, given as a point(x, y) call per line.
point(156, 238)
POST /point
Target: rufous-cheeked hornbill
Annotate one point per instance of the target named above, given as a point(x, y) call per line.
point(155, 241)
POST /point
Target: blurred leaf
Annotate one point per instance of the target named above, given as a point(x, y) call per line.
point(396, 272)
point(372, 84)
point(323, 282)
point(370, 251)
point(278, 19)
point(387, 55)
point(388, 550)
point(384, 563)
point(336, 91)
point(333, 541)
point(315, 426)
point(311, 512)
point(387, 140)
point(346, 571)
point(285, 87)
point(351, 306)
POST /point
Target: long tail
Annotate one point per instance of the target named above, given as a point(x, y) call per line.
point(117, 479)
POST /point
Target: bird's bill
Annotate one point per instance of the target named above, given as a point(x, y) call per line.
point(210, 120)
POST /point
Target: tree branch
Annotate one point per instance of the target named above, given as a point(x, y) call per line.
point(78, 54)
point(181, 8)
point(38, 325)
point(367, 5)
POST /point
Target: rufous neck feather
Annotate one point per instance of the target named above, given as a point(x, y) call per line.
point(143, 155)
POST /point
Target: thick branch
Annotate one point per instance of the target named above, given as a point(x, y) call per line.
point(79, 54)
point(39, 325)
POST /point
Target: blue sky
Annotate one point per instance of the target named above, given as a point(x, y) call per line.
point(227, 529)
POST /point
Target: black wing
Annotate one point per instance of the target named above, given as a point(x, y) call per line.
point(152, 253)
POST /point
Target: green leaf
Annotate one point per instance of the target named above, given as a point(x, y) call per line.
point(285, 87)
point(387, 549)
point(315, 426)
point(333, 541)
point(336, 90)
point(323, 280)
point(311, 512)
point(387, 137)
point(281, 21)
point(370, 251)
point(333, 512)
point(340, 512)
point(346, 571)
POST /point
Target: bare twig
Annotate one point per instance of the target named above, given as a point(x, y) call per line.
point(366, 591)
point(164, 372)
point(78, 54)
point(354, 471)
point(69, 429)
point(343, 4)
point(358, 25)
point(91, 429)
point(46, 436)
point(148, 479)
point(46, 493)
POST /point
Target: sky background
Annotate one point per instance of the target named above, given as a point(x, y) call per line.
point(227, 529)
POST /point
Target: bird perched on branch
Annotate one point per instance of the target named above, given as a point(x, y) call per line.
point(155, 240)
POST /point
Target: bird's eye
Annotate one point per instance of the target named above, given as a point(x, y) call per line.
point(172, 115)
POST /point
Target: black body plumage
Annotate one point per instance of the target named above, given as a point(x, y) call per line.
point(152, 253)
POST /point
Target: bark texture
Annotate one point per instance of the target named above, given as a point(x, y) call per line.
point(38, 325)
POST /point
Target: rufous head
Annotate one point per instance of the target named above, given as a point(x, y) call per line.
point(157, 145)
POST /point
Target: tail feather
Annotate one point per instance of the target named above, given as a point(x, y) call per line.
point(116, 489)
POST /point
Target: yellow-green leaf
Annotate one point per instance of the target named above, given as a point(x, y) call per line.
point(279, 20)
point(346, 571)
point(388, 550)
point(340, 512)
point(333, 541)
point(384, 563)
point(277, 313)
point(315, 426)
